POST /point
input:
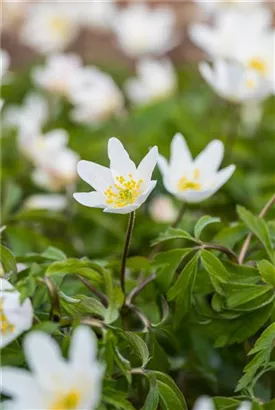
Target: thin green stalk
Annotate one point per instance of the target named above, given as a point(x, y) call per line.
point(127, 243)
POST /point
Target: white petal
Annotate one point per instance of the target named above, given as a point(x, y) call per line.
point(125, 210)
point(193, 197)
point(204, 403)
point(209, 160)
point(142, 198)
point(92, 199)
point(223, 176)
point(5, 285)
point(83, 348)
point(246, 405)
point(147, 165)
point(45, 359)
point(181, 158)
point(18, 314)
point(163, 165)
point(96, 175)
point(16, 382)
point(120, 161)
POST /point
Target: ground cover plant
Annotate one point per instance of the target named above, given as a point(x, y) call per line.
point(137, 216)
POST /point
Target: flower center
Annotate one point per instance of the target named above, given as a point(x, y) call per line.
point(123, 192)
point(185, 183)
point(258, 64)
point(59, 26)
point(69, 401)
point(5, 326)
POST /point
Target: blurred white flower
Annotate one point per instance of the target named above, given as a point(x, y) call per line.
point(219, 5)
point(57, 74)
point(162, 209)
point(258, 55)
point(15, 318)
point(233, 82)
point(251, 114)
point(56, 383)
point(246, 405)
point(204, 403)
point(55, 162)
point(53, 202)
point(12, 13)
point(229, 29)
point(194, 180)
point(31, 115)
point(95, 95)
point(123, 187)
point(49, 26)
point(156, 80)
point(5, 62)
point(96, 14)
point(141, 30)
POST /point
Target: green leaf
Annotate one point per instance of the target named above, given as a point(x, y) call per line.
point(82, 305)
point(173, 233)
point(258, 227)
point(53, 253)
point(239, 294)
point(138, 263)
point(202, 223)
point(140, 347)
point(117, 399)
point(115, 297)
point(217, 272)
point(152, 399)
point(8, 260)
point(74, 267)
point(185, 282)
point(270, 405)
point(170, 396)
point(251, 369)
point(267, 271)
point(167, 263)
point(265, 341)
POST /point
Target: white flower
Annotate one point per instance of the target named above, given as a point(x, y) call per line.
point(204, 403)
point(156, 80)
point(229, 29)
point(123, 187)
point(95, 95)
point(235, 83)
point(5, 62)
point(57, 74)
point(56, 383)
point(49, 26)
point(55, 162)
point(218, 5)
point(51, 202)
point(15, 318)
point(96, 14)
point(194, 180)
point(31, 115)
point(246, 405)
point(162, 209)
point(141, 30)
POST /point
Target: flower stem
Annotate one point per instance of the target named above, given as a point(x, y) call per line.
point(232, 131)
point(129, 233)
point(262, 214)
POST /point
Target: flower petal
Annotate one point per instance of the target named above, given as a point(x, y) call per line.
point(125, 210)
point(83, 348)
point(92, 199)
point(193, 197)
point(163, 165)
point(223, 176)
point(181, 158)
point(45, 359)
point(16, 382)
point(209, 160)
point(147, 165)
point(142, 198)
point(204, 403)
point(120, 162)
point(96, 175)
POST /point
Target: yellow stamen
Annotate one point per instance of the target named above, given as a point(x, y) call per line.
point(185, 184)
point(69, 401)
point(124, 192)
point(59, 25)
point(258, 64)
point(5, 326)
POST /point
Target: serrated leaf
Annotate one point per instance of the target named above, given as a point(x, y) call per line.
point(185, 282)
point(74, 267)
point(267, 271)
point(173, 233)
point(202, 223)
point(8, 260)
point(140, 347)
point(216, 270)
point(238, 294)
point(265, 341)
point(251, 369)
point(258, 227)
